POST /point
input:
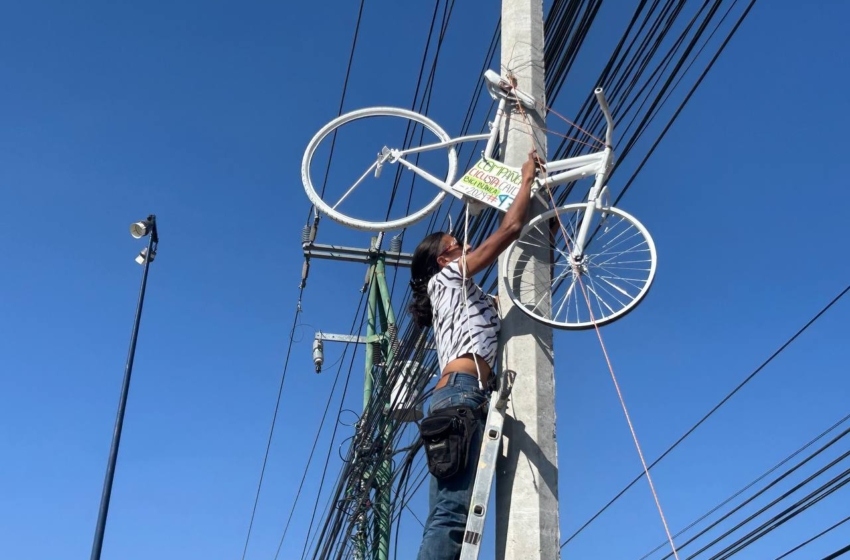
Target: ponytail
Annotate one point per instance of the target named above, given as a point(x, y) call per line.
point(423, 267)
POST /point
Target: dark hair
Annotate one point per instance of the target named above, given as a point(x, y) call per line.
point(423, 267)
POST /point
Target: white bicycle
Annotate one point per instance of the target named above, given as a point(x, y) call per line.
point(603, 259)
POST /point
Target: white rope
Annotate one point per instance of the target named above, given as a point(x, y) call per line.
point(466, 295)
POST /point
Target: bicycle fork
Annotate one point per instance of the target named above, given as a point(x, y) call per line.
point(595, 198)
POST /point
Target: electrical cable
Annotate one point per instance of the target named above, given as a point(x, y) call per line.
point(772, 484)
point(336, 425)
point(712, 411)
point(750, 485)
point(342, 97)
point(827, 489)
point(319, 432)
point(819, 535)
point(274, 420)
point(837, 553)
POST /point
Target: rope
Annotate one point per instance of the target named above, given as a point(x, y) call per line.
point(628, 418)
point(466, 295)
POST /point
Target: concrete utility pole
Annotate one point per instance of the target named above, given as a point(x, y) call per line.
point(527, 521)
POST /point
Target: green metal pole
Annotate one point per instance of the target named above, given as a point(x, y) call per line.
point(392, 328)
point(381, 275)
point(382, 511)
point(384, 474)
point(370, 334)
point(368, 377)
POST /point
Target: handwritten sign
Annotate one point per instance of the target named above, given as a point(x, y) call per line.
point(491, 182)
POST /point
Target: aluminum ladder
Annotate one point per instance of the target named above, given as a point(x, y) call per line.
point(486, 466)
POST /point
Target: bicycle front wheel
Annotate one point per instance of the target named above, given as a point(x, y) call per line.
point(364, 189)
point(607, 280)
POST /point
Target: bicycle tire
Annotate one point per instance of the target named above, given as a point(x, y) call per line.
point(572, 285)
point(315, 195)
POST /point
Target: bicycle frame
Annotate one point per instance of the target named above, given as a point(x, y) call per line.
point(562, 171)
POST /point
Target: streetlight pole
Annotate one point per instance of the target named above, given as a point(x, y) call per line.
point(138, 230)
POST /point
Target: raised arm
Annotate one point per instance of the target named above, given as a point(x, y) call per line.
point(515, 219)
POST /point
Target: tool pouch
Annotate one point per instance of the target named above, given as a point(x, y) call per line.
point(447, 434)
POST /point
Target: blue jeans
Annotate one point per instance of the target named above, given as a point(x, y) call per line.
point(449, 499)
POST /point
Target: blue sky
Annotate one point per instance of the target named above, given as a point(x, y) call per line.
point(200, 111)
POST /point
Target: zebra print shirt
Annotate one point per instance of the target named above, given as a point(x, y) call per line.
point(455, 332)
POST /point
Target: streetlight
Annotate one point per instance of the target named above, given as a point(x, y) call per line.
point(138, 230)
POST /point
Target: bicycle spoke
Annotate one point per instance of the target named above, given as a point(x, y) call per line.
point(558, 279)
point(540, 300)
point(599, 299)
point(618, 263)
point(566, 297)
point(629, 268)
point(537, 276)
point(614, 296)
point(614, 274)
point(578, 314)
point(618, 288)
point(356, 184)
point(633, 249)
point(609, 246)
point(636, 283)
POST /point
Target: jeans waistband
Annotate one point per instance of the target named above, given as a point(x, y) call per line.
point(461, 378)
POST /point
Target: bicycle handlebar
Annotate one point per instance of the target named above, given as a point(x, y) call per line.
point(603, 104)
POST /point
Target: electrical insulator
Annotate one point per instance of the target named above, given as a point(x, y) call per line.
point(395, 244)
point(318, 354)
point(393, 336)
point(366, 280)
point(305, 271)
point(377, 353)
point(305, 235)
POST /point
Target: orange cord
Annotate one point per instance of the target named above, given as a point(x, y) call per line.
point(571, 123)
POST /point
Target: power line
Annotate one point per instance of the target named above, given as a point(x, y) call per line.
point(321, 426)
point(711, 412)
point(344, 90)
point(684, 102)
point(825, 490)
point(819, 535)
point(751, 484)
point(837, 553)
point(761, 492)
point(274, 420)
point(336, 424)
point(300, 294)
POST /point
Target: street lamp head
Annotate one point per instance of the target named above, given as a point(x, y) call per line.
point(141, 257)
point(140, 229)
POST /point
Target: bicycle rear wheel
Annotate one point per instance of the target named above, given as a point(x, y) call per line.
point(360, 191)
point(610, 278)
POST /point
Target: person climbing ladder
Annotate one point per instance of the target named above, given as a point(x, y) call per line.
point(466, 326)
